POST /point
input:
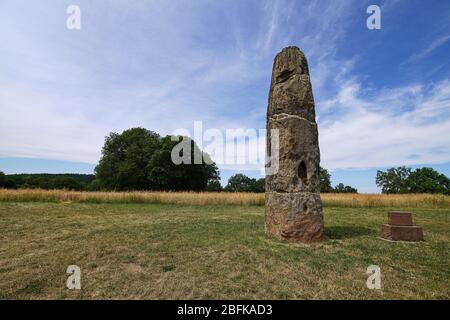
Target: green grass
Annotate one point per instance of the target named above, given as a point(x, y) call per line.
point(149, 251)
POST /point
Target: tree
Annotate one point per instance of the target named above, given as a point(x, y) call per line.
point(259, 185)
point(69, 183)
point(239, 183)
point(94, 185)
point(349, 189)
point(2, 179)
point(123, 165)
point(325, 180)
point(394, 180)
point(428, 180)
point(421, 180)
point(139, 159)
point(214, 186)
point(163, 174)
point(325, 184)
point(341, 188)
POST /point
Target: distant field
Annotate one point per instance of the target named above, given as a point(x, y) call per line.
point(220, 198)
point(163, 251)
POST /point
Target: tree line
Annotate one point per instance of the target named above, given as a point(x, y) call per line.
point(404, 180)
point(140, 159)
point(47, 181)
point(241, 183)
point(89, 182)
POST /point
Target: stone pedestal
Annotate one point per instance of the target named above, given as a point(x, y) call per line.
point(400, 227)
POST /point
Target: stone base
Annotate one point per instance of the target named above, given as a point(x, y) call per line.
point(401, 233)
point(295, 217)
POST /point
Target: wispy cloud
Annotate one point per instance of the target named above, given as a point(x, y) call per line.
point(428, 50)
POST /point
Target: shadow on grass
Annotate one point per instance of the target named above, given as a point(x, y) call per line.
point(347, 232)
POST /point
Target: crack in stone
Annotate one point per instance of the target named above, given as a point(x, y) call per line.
point(283, 116)
point(285, 76)
point(289, 192)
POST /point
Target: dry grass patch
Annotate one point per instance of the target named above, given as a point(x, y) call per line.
point(220, 198)
point(149, 251)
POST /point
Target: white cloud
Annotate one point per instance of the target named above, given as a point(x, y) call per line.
point(401, 126)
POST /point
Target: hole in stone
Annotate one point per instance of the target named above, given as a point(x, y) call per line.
point(305, 207)
point(302, 174)
point(284, 75)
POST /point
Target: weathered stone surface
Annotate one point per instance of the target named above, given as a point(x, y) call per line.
point(400, 227)
point(288, 62)
point(397, 218)
point(401, 233)
point(290, 89)
point(297, 144)
point(295, 217)
point(293, 206)
point(294, 97)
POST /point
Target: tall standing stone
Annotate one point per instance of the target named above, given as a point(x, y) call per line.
point(293, 205)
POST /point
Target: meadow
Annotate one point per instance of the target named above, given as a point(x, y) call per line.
point(212, 246)
point(220, 198)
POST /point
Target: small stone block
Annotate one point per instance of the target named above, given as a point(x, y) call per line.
point(401, 233)
point(397, 218)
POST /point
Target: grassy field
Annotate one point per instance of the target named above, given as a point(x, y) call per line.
point(163, 251)
point(221, 198)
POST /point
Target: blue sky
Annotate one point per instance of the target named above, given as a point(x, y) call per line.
point(382, 96)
